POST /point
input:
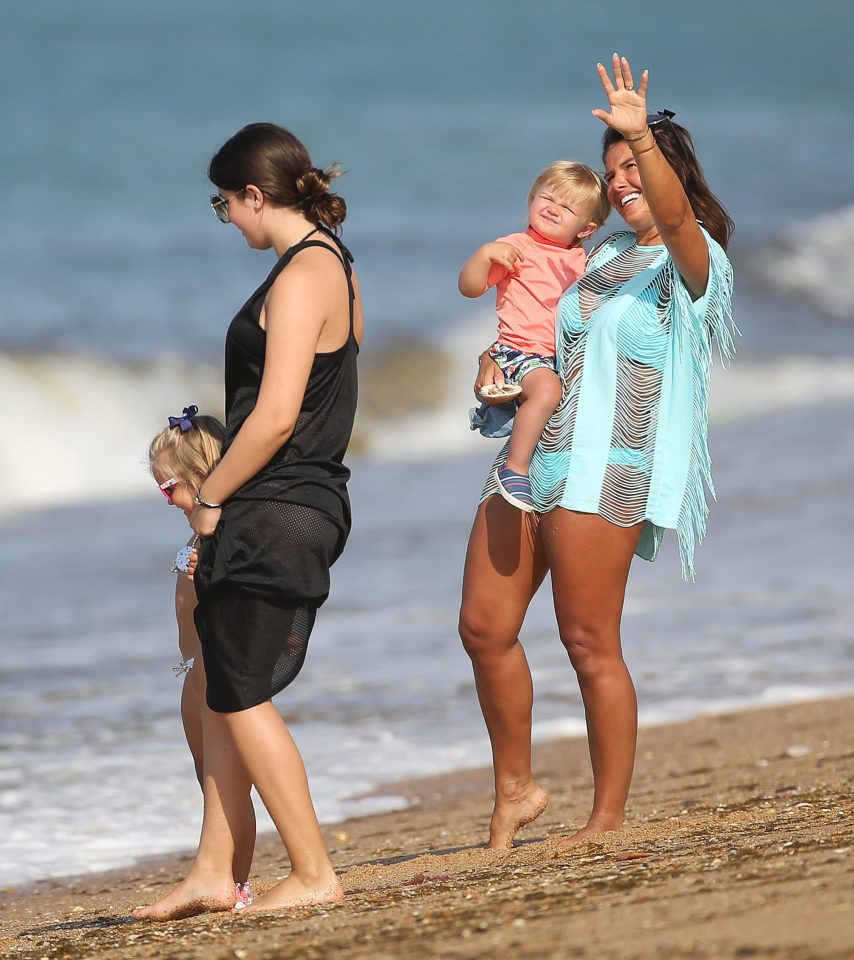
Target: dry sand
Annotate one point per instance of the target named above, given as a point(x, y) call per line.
point(739, 843)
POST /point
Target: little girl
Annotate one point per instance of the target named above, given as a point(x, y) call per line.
point(181, 457)
point(567, 203)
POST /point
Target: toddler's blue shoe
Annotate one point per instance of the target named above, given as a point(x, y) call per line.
point(515, 488)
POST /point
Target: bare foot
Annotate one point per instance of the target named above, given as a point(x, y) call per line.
point(593, 826)
point(512, 813)
point(293, 892)
point(188, 899)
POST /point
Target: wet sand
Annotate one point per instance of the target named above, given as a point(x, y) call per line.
point(739, 843)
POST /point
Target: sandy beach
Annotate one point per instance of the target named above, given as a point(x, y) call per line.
point(739, 843)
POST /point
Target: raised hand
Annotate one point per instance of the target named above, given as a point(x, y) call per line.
point(628, 105)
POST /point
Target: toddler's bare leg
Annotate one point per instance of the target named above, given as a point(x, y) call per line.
point(192, 712)
point(539, 398)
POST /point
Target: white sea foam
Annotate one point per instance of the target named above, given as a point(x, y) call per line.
point(438, 424)
point(745, 390)
point(78, 426)
point(813, 261)
point(739, 392)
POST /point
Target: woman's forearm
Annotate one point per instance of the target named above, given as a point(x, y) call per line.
point(254, 446)
point(671, 212)
point(662, 189)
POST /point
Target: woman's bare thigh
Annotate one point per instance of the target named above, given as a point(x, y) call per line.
point(589, 558)
point(505, 565)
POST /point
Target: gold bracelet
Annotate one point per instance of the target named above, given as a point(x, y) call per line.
point(637, 153)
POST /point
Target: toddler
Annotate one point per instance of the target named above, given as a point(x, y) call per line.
point(567, 203)
point(180, 457)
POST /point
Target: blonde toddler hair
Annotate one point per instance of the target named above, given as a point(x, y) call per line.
point(580, 182)
point(191, 456)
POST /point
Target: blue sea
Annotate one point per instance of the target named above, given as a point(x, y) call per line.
point(118, 284)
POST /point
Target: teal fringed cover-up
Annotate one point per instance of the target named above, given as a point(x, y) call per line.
point(628, 441)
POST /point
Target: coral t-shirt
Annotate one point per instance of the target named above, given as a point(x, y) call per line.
point(526, 298)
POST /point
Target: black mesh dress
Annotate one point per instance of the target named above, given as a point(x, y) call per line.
point(265, 571)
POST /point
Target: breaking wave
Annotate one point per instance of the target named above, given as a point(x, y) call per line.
point(813, 261)
point(78, 426)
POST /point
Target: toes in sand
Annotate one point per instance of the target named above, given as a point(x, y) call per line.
point(292, 892)
point(512, 815)
point(186, 900)
point(590, 829)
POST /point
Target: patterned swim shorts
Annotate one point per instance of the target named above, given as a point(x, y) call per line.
point(515, 364)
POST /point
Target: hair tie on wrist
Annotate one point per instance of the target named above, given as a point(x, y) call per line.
point(639, 137)
point(185, 422)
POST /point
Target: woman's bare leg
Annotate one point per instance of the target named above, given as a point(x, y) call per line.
point(275, 767)
point(209, 886)
point(589, 560)
point(505, 565)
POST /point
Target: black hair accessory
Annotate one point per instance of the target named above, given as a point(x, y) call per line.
point(659, 117)
point(185, 422)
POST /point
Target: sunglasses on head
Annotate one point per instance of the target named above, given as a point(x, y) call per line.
point(167, 486)
point(219, 205)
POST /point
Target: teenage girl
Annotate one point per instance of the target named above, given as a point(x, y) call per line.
point(274, 514)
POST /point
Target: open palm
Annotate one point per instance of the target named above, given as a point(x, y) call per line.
point(628, 108)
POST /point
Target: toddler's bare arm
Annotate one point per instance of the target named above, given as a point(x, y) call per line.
point(474, 276)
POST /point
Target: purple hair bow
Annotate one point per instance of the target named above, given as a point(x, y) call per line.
point(185, 422)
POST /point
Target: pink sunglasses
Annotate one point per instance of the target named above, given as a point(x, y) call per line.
point(166, 488)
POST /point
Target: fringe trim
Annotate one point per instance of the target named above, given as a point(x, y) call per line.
point(715, 324)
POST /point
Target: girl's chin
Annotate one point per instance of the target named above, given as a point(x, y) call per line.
point(256, 244)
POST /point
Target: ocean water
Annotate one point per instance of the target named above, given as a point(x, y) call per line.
point(117, 286)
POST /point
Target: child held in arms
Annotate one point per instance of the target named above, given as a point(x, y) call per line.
point(567, 203)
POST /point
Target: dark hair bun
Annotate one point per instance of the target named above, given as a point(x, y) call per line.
point(315, 200)
point(313, 183)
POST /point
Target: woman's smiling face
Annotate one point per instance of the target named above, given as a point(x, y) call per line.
point(624, 187)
